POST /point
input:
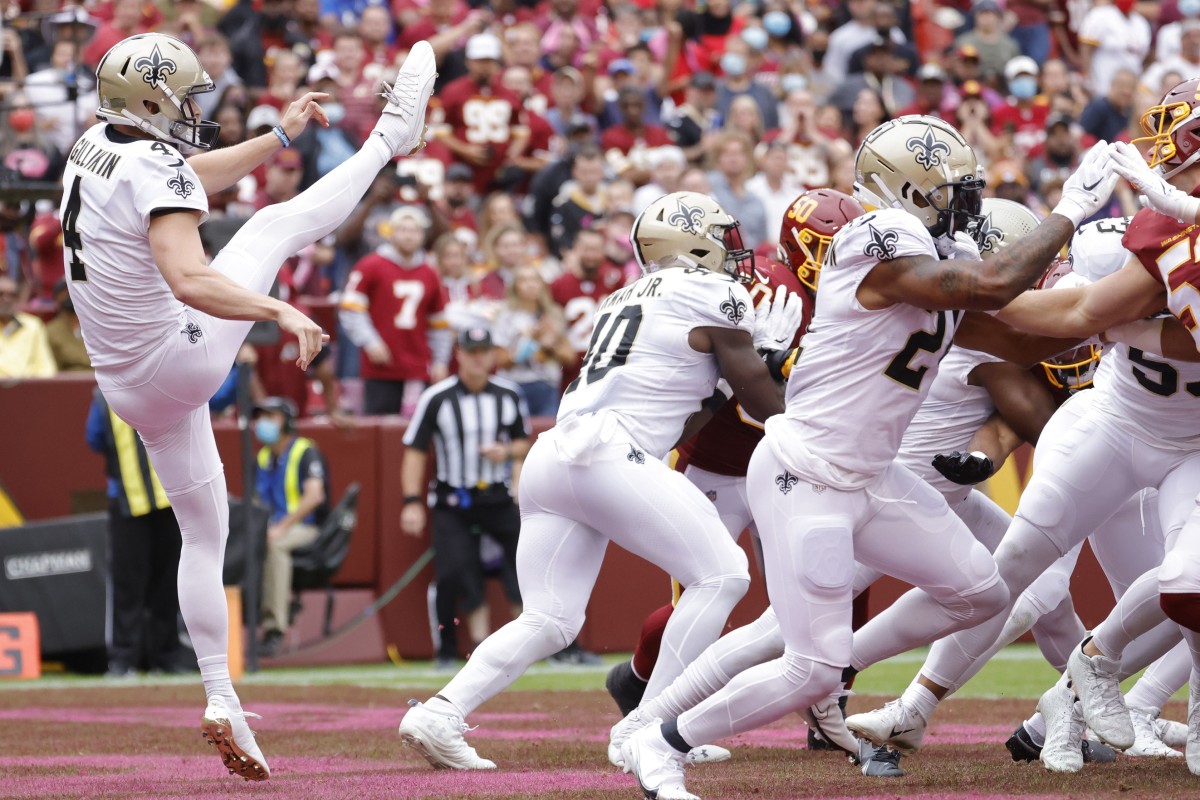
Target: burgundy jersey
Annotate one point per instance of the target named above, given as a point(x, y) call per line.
point(404, 303)
point(1168, 249)
point(579, 299)
point(724, 445)
point(482, 115)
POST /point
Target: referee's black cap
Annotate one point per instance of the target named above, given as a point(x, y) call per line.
point(474, 339)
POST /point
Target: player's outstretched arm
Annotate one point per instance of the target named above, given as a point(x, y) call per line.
point(741, 365)
point(220, 169)
point(1163, 336)
point(175, 244)
point(1128, 294)
point(983, 332)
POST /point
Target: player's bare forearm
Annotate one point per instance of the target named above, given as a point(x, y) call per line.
point(746, 373)
point(1022, 400)
point(979, 331)
point(412, 471)
point(220, 169)
point(996, 439)
point(1128, 294)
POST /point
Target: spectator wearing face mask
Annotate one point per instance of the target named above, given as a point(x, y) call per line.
point(739, 80)
point(1023, 116)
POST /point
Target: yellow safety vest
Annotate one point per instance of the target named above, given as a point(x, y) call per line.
point(291, 473)
point(140, 483)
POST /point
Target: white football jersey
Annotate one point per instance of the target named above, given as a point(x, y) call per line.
point(112, 186)
point(862, 374)
point(1156, 397)
point(951, 414)
point(640, 373)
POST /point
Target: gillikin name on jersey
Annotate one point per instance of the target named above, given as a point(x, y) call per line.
point(619, 297)
point(93, 158)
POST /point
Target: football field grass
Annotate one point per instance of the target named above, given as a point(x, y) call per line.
point(331, 733)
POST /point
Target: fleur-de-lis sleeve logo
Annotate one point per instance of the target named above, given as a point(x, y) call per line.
point(928, 150)
point(154, 67)
point(988, 236)
point(733, 308)
point(182, 186)
point(785, 481)
point(687, 217)
point(882, 244)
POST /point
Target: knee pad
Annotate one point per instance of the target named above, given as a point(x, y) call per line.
point(982, 602)
point(1047, 508)
point(1179, 573)
point(556, 632)
point(1182, 608)
point(816, 677)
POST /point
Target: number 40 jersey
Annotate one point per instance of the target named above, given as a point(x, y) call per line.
point(862, 374)
point(640, 375)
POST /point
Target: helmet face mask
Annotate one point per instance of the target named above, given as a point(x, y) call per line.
point(147, 81)
point(691, 230)
point(1173, 129)
point(924, 166)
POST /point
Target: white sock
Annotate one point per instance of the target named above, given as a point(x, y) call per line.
point(442, 706)
point(214, 671)
point(920, 699)
point(1035, 726)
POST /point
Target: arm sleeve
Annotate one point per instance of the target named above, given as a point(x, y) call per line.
point(441, 344)
point(719, 302)
point(424, 421)
point(358, 327)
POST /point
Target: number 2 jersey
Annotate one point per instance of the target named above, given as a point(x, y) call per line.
point(112, 186)
point(640, 377)
point(862, 374)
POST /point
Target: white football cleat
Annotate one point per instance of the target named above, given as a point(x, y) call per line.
point(1145, 738)
point(621, 732)
point(1172, 733)
point(1094, 679)
point(1192, 748)
point(657, 766)
point(227, 730)
point(407, 99)
point(1062, 750)
point(439, 738)
point(895, 724)
point(707, 754)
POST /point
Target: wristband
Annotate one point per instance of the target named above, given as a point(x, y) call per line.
point(409, 499)
point(283, 137)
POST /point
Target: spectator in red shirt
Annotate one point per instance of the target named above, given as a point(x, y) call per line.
point(455, 204)
point(375, 28)
point(126, 21)
point(480, 113)
point(284, 172)
point(392, 308)
point(588, 279)
point(626, 145)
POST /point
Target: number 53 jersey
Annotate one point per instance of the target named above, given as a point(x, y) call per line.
point(640, 377)
point(1170, 252)
point(862, 374)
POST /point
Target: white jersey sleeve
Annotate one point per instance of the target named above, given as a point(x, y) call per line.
point(166, 182)
point(640, 377)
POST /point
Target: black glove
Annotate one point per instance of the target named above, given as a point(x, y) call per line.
point(965, 469)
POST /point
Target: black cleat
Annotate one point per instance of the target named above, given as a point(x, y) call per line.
point(1022, 748)
point(625, 688)
point(1020, 745)
point(879, 762)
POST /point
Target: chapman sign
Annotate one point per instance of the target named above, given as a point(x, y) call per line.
point(41, 565)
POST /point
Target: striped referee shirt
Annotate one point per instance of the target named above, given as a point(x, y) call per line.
point(459, 423)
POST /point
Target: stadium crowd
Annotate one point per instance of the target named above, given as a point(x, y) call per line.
point(554, 123)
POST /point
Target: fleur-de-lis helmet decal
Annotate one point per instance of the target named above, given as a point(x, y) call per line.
point(154, 67)
point(687, 217)
point(928, 150)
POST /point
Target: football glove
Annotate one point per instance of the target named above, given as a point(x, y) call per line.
point(775, 325)
point(962, 247)
point(1156, 193)
point(965, 469)
point(1088, 188)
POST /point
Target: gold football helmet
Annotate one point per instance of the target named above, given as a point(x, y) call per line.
point(924, 166)
point(146, 80)
point(1001, 222)
point(691, 230)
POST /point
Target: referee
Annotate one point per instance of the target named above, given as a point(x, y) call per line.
point(479, 429)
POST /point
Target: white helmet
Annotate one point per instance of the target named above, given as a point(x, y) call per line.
point(145, 81)
point(924, 166)
point(1001, 223)
point(691, 230)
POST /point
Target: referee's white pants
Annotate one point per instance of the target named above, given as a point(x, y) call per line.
point(164, 396)
point(569, 513)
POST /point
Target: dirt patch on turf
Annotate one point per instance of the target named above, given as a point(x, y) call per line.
point(144, 742)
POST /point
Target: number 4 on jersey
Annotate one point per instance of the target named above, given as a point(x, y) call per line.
point(71, 238)
point(629, 318)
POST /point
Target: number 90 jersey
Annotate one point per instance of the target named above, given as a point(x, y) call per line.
point(639, 371)
point(862, 374)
